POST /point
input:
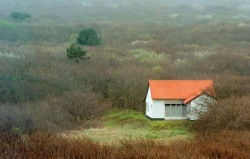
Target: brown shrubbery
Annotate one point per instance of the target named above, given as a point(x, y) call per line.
point(45, 83)
point(231, 114)
point(52, 114)
point(82, 106)
point(42, 145)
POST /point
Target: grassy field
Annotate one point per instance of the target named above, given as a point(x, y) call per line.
point(129, 124)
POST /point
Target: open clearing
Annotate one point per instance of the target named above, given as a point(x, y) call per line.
point(129, 124)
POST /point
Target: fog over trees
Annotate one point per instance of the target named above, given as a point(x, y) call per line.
point(82, 10)
point(33, 5)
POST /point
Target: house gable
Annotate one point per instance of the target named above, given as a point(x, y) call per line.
point(199, 105)
point(198, 94)
point(148, 96)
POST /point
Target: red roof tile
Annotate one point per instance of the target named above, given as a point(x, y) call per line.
point(186, 90)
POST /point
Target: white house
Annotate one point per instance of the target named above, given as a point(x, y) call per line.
point(178, 99)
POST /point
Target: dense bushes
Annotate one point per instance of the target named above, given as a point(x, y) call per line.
point(75, 52)
point(231, 113)
point(89, 37)
point(82, 106)
point(42, 145)
point(53, 114)
point(119, 70)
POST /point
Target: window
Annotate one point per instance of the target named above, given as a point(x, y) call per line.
point(167, 110)
point(176, 110)
point(147, 106)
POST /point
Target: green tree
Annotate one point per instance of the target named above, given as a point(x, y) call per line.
point(89, 37)
point(75, 52)
point(20, 16)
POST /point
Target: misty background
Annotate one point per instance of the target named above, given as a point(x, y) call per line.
point(179, 11)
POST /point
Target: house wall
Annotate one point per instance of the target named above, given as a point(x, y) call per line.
point(159, 108)
point(198, 106)
point(149, 104)
point(155, 109)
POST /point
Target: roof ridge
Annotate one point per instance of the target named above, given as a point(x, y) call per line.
point(179, 89)
point(201, 91)
point(194, 95)
point(195, 92)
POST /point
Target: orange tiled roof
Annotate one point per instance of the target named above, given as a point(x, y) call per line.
point(186, 90)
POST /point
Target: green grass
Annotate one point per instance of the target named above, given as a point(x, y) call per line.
point(124, 117)
point(130, 124)
point(135, 118)
point(6, 23)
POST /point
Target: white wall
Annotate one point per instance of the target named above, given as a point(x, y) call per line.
point(198, 106)
point(149, 102)
point(157, 107)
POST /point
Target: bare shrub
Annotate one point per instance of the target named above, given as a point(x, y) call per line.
point(82, 106)
point(14, 118)
point(232, 113)
point(48, 117)
point(53, 114)
point(30, 117)
point(230, 85)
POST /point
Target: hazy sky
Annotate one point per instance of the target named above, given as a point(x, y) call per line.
point(33, 6)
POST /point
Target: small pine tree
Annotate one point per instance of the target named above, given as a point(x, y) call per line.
point(20, 16)
point(89, 37)
point(75, 52)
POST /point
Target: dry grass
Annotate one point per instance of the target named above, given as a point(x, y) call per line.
point(225, 144)
point(110, 135)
